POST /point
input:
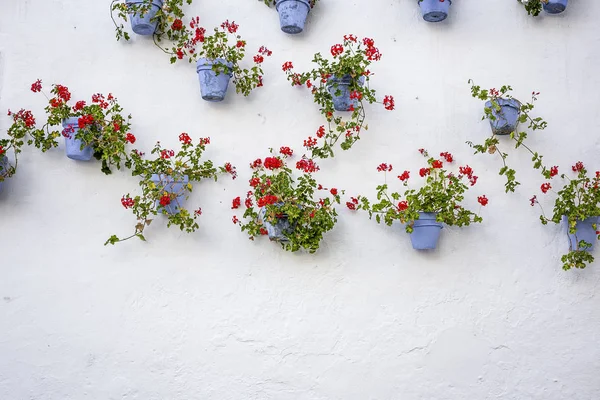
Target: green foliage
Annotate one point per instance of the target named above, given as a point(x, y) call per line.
point(533, 7)
point(171, 167)
point(353, 58)
point(309, 213)
point(491, 144)
point(442, 193)
point(578, 200)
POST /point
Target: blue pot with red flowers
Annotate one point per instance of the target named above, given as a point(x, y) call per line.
point(75, 148)
point(214, 78)
point(174, 192)
point(585, 230)
point(277, 231)
point(434, 10)
point(426, 231)
point(506, 118)
point(555, 6)
point(144, 20)
point(292, 14)
point(341, 90)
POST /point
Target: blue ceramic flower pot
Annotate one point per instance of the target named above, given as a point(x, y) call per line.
point(555, 6)
point(73, 147)
point(292, 15)
point(340, 90)
point(170, 186)
point(277, 231)
point(3, 171)
point(507, 118)
point(213, 84)
point(144, 24)
point(584, 231)
point(426, 232)
point(434, 10)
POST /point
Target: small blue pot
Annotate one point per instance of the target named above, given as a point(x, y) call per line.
point(507, 118)
point(143, 24)
point(292, 15)
point(555, 6)
point(340, 92)
point(73, 147)
point(3, 169)
point(172, 186)
point(213, 85)
point(584, 231)
point(426, 232)
point(435, 10)
point(276, 232)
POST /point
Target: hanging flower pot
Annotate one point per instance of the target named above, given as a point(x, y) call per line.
point(277, 231)
point(175, 192)
point(507, 118)
point(555, 6)
point(426, 232)
point(340, 90)
point(292, 14)
point(434, 10)
point(584, 231)
point(74, 148)
point(142, 15)
point(213, 84)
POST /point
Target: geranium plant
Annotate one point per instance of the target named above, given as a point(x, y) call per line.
point(295, 212)
point(167, 19)
point(442, 193)
point(101, 125)
point(166, 181)
point(23, 121)
point(497, 102)
point(533, 7)
point(578, 204)
point(347, 74)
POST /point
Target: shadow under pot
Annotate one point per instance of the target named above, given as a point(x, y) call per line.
point(426, 232)
point(584, 231)
point(292, 15)
point(434, 10)
point(75, 148)
point(340, 90)
point(172, 187)
point(277, 231)
point(555, 6)
point(507, 118)
point(143, 21)
point(214, 78)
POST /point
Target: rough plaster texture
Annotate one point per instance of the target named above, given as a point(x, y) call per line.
point(212, 315)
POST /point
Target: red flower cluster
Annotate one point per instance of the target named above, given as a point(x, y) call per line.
point(240, 43)
point(287, 66)
point(423, 172)
point(336, 50)
point(254, 182)
point(350, 38)
point(204, 141)
point(371, 52)
point(273, 163)
point(352, 204)
point(403, 205)
point(130, 138)
point(437, 164)
point(54, 102)
point(127, 202)
point(198, 212)
point(404, 177)
point(2, 151)
point(553, 171)
point(85, 120)
point(383, 167)
point(177, 25)
point(307, 165)
point(268, 199)
point(468, 172)
point(63, 92)
point(577, 167)
point(545, 187)
point(235, 219)
point(482, 200)
point(321, 131)
point(231, 27)
point(185, 138)
point(256, 163)
point(230, 169)
point(286, 151)
point(447, 156)
point(388, 102)
point(79, 105)
point(24, 115)
point(166, 154)
point(334, 191)
point(236, 203)
point(356, 95)
point(99, 98)
point(165, 200)
point(310, 142)
point(36, 86)
point(494, 92)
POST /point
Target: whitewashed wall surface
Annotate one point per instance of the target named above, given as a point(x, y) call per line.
point(212, 315)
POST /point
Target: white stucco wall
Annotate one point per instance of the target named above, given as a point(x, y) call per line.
point(212, 315)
